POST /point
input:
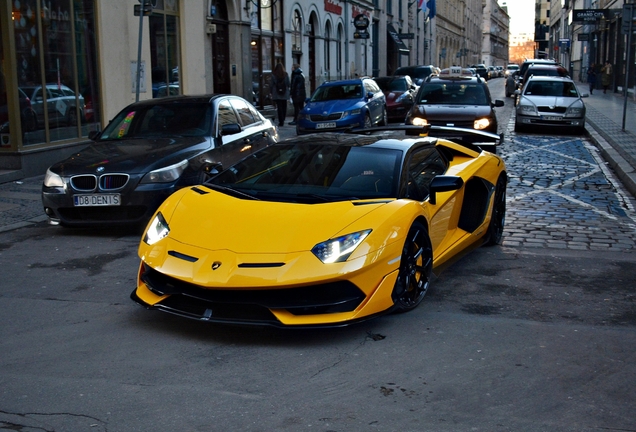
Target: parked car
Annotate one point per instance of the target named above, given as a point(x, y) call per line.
point(492, 72)
point(511, 69)
point(342, 105)
point(417, 73)
point(550, 101)
point(62, 104)
point(481, 70)
point(455, 101)
point(527, 63)
point(400, 92)
point(321, 230)
point(545, 70)
point(148, 151)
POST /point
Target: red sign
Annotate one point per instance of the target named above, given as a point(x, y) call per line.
point(355, 11)
point(332, 7)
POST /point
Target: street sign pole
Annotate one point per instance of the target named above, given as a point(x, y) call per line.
point(141, 27)
point(628, 9)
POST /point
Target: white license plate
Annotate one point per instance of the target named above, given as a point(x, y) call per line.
point(329, 125)
point(554, 118)
point(95, 200)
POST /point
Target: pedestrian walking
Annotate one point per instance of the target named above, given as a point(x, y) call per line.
point(591, 77)
point(279, 88)
point(298, 92)
point(606, 75)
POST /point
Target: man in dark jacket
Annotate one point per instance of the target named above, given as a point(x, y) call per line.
point(298, 93)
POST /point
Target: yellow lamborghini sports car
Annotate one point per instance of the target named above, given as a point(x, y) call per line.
point(321, 230)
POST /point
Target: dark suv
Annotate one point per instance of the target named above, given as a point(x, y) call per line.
point(457, 101)
point(530, 62)
point(417, 73)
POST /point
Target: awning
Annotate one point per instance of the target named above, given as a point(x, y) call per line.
point(395, 36)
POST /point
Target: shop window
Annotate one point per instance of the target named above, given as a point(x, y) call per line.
point(164, 53)
point(55, 67)
point(267, 46)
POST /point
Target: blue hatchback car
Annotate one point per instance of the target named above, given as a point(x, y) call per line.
point(342, 105)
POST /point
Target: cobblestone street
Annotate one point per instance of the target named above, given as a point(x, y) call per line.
point(562, 195)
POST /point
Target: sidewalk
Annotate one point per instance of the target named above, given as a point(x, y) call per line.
point(20, 202)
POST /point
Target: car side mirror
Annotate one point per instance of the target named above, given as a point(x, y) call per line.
point(212, 168)
point(443, 183)
point(230, 129)
point(93, 135)
point(517, 92)
point(498, 103)
point(370, 95)
point(585, 95)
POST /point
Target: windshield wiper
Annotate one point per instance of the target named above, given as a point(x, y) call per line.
point(230, 191)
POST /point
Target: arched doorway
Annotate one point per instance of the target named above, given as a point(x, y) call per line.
point(220, 47)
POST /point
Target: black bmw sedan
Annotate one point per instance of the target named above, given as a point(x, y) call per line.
point(148, 151)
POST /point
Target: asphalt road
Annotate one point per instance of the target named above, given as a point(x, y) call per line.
point(527, 336)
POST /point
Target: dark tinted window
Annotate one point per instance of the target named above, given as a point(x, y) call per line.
point(315, 172)
point(423, 167)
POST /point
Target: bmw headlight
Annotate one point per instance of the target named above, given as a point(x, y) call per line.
point(167, 174)
point(340, 248)
point(482, 123)
point(419, 121)
point(53, 180)
point(157, 229)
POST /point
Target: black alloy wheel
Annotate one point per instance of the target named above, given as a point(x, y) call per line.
point(416, 268)
point(498, 217)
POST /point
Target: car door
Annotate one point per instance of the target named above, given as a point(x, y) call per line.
point(424, 164)
point(256, 135)
point(229, 146)
point(374, 103)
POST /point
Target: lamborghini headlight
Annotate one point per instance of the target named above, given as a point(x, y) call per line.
point(340, 248)
point(53, 180)
point(167, 174)
point(157, 230)
point(482, 123)
point(419, 121)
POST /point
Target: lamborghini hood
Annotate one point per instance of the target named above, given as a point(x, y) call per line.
point(216, 221)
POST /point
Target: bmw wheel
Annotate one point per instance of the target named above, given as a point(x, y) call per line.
point(416, 269)
point(498, 217)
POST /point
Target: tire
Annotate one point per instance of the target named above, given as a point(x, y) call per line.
point(498, 216)
point(416, 269)
point(367, 121)
point(518, 127)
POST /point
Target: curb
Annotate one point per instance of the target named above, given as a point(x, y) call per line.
point(618, 163)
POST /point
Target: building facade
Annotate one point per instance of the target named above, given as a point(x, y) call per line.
point(588, 33)
point(68, 66)
point(495, 34)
